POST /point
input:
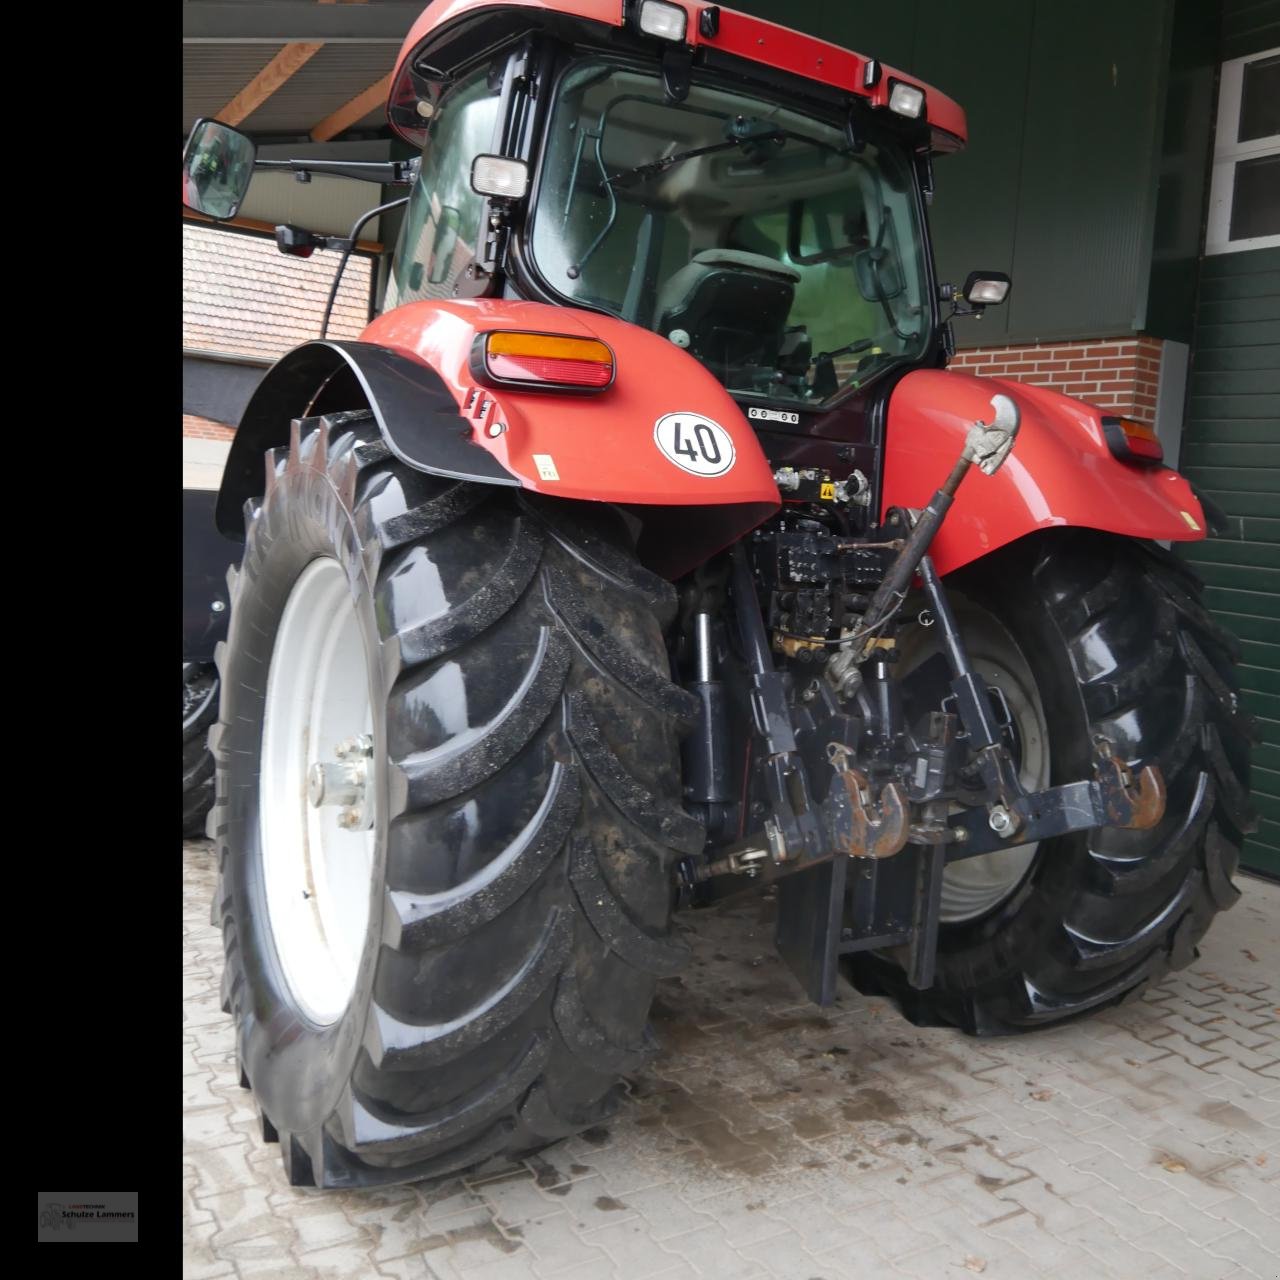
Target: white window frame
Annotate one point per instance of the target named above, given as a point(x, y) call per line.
point(1227, 153)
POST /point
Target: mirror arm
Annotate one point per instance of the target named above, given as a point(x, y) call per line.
point(389, 173)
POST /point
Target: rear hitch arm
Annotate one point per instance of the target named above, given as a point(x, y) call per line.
point(1114, 797)
point(798, 832)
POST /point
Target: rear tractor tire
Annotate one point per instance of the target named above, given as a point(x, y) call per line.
point(1084, 634)
point(447, 812)
point(199, 711)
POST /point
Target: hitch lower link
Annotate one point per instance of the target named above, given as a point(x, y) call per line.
point(1116, 796)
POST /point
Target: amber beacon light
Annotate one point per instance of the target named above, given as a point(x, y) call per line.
point(547, 360)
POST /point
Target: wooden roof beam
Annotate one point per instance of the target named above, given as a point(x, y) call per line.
point(277, 72)
point(359, 107)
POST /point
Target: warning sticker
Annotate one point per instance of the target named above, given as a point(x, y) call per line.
point(546, 466)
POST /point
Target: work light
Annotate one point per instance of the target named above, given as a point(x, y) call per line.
point(906, 100)
point(666, 21)
point(499, 176)
point(987, 291)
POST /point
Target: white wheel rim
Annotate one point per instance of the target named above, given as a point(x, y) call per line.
point(974, 886)
point(318, 876)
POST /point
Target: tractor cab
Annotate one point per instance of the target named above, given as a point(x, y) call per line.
point(772, 224)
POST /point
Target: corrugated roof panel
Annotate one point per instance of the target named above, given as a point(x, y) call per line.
point(331, 78)
point(212, 74)
point(376, 117)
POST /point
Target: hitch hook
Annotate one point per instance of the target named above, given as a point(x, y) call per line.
point(1130, 801)
point(879, 827)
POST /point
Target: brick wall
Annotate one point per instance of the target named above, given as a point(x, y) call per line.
point(205, 428)
point(1116, 374)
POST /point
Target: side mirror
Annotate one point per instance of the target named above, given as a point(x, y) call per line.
point(986, 288)
point(878, 275)
point(816, 234)
point(445, 244)
point(217, 167)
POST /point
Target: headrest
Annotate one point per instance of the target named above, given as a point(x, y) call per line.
point(749, 261)
point(680, 287)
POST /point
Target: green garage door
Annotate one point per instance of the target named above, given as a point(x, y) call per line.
point(1231, 449)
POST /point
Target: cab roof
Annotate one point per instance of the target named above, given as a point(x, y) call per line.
point(709, 26)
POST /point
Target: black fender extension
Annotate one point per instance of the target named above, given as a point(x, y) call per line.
point(413, 407)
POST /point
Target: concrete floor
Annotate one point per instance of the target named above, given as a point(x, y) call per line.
point(773, 1139)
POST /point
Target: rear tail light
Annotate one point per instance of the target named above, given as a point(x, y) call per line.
point(542, 360)
point(1132, 441)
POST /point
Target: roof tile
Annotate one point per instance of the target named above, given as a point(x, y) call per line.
point(241, 296)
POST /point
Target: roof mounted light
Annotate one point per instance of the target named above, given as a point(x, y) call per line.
point(499, 176)
point(666, 21)
point(906, 100)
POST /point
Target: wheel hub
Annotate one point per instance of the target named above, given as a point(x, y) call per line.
point(343, 781)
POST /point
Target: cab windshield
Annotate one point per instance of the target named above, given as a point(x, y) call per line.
point(787, 260)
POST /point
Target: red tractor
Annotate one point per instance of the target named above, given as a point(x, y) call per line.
point(630, 559)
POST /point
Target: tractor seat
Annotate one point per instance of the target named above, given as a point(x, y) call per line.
point(732, 304)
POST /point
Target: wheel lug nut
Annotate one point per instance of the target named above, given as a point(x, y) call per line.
point(349, 819)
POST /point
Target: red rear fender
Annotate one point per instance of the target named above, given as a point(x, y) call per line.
point(1060, 472)
point(601, 445)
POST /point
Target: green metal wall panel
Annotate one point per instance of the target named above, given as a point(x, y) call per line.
point(976, 206)
point(1075, 169)
point(1185, 152)
point(884, 31)
point(1086, 202)
point(1249, 26)
point(1231, 449)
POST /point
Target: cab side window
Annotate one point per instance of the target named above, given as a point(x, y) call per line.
point(442, 225)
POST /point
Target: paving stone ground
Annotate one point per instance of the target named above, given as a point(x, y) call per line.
point(775, 1139)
